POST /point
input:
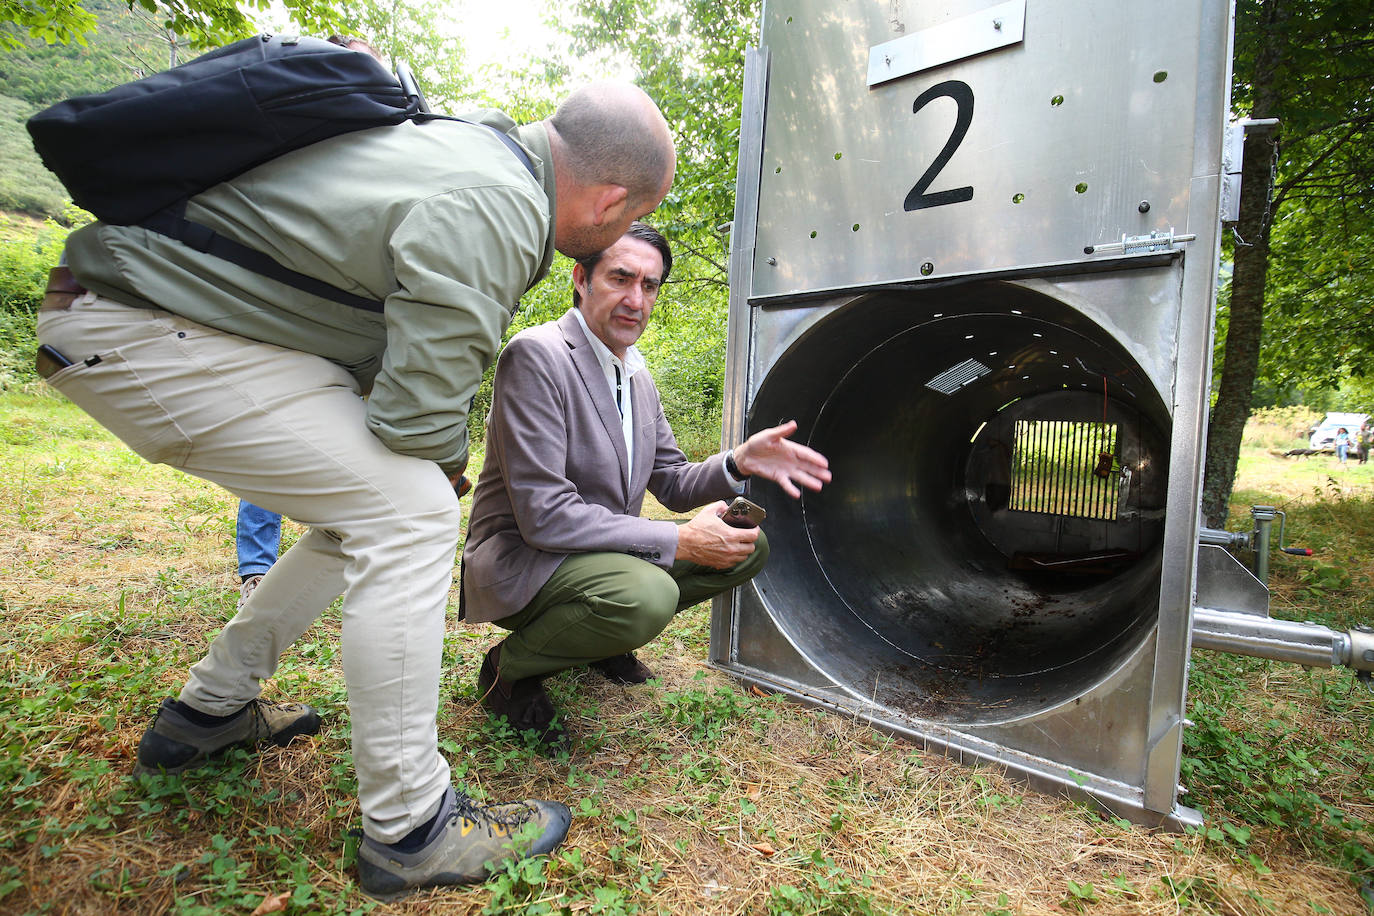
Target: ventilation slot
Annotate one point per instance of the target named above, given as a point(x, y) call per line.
point(956, 377)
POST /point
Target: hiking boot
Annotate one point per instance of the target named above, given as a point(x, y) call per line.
point(624, 669)
point(524, 703)
point(467, 843)
point(176, 743)
point(249, 586)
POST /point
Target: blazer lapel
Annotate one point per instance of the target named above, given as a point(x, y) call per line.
point(594, 383)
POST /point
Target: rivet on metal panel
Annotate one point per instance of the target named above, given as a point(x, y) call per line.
point(1143, 206)
point(1081, 187)
point(1161, 75)
point(772, 262)
point(1017, 198)
point(1057, 101)
point(927, 269)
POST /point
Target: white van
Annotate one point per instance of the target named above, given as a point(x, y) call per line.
point(1324, 436)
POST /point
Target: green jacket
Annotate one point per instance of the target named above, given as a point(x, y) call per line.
point(440, 220)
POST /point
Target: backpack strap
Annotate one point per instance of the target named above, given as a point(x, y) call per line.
point(172, 222)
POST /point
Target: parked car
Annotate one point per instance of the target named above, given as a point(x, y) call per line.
point(1324, 435)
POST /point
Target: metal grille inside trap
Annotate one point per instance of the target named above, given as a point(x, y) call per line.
point(1065, 467)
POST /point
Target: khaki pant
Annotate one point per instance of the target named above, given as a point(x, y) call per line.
point(596, 605)
point(285, 430)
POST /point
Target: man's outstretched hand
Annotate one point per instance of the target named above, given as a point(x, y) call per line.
point(771, 454)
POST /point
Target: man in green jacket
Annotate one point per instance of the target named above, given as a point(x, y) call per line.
point(236, 378)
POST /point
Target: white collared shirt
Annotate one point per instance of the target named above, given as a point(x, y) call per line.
point(610, 365)
point(632, 363)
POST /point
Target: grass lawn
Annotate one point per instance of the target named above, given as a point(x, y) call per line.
point(690, 795)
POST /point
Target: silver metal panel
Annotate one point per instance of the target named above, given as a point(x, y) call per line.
point(1076, 136)
point(996, 27)
point(1225, 582)
point(1085, 751)
point(894, 594)
point(738, 342)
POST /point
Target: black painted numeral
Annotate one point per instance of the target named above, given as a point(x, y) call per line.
point(917, 198)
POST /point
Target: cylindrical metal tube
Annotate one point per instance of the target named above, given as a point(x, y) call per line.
point(1264, 517)
point(1219, 538)
point(1281, 640)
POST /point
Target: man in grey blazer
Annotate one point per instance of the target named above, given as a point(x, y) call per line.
point(556, 551)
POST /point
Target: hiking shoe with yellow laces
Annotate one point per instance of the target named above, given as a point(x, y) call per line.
point(182, 738)
point(466, 844)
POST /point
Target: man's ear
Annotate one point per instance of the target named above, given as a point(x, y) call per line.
point(579, 277)
point(609, 203)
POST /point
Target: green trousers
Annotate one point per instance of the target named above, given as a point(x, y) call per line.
point(597, 605)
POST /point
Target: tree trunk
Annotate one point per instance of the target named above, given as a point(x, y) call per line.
point(1240, 361)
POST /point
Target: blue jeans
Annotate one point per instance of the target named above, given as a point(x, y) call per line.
point(257, 537)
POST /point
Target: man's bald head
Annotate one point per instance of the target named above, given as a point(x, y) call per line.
point(613, 133)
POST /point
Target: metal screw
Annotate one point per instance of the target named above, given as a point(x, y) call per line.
point(1144, 206)
point(772, 262)
point(887, 60)
point(997, 24)
point(927, 269)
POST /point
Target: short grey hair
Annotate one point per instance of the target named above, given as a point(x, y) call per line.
point(612, 137)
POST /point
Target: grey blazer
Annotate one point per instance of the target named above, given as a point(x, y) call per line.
point(556, 479)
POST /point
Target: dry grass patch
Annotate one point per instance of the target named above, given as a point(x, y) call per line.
point(690, 794)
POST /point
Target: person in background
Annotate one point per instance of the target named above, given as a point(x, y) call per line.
point(257, 538)
point(1342, 444)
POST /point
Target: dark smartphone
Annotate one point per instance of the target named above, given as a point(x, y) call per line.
point(744, 514)
point(48, 362)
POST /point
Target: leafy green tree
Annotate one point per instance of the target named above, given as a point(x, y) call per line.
point(197, 23)
point(1307, 198)
point(689, 57)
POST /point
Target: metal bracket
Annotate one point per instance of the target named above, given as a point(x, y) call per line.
point(1155, 241)
point(1232, 156)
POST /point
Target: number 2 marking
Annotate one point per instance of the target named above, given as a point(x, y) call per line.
point(917, 198)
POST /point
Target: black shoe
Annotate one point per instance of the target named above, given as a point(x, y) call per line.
point(175, 743)
point(624, 669)
point(468, 842)
point(524, 703)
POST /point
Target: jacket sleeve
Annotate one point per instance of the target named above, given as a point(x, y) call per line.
point(682, 485)
point(528, 431)
point(462, 260)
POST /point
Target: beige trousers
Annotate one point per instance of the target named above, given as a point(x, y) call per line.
point(285, 430)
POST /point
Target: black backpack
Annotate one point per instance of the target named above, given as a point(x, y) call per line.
point(135, 154)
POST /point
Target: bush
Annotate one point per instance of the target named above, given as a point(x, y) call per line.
point(24, 265)
point(1280, 427)
point(25, 184)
